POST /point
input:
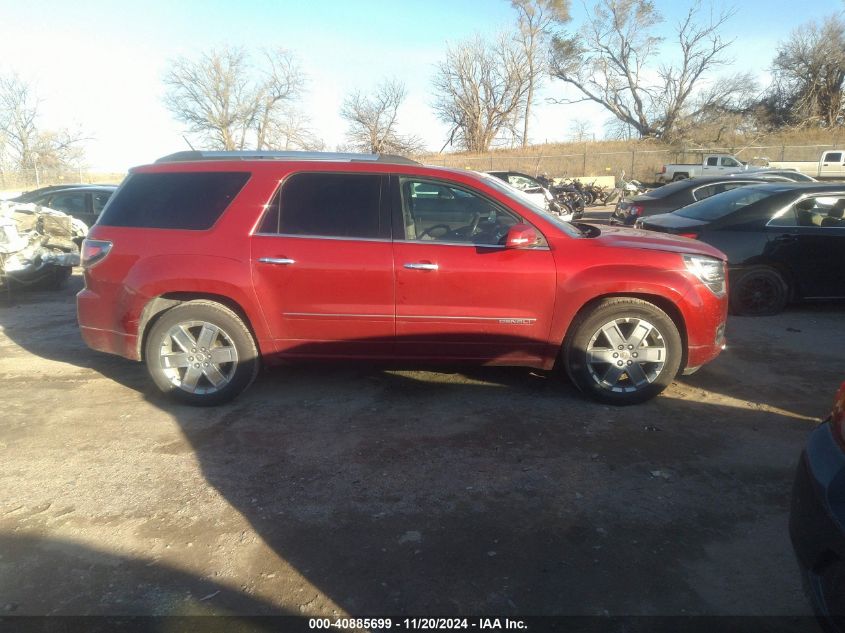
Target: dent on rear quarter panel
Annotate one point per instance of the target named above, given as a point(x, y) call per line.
point(194, 274)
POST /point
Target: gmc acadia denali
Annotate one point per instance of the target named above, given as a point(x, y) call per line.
point(205, 265)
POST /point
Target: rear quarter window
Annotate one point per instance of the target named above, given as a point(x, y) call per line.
point(187, 200)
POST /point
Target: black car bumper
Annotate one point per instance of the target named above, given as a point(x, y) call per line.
point(817, 523)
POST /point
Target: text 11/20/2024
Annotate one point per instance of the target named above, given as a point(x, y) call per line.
point(432, 624)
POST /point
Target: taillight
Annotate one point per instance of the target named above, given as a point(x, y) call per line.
point(636, 210)
point(94, 251)
point(663, 170)
point(692, 236)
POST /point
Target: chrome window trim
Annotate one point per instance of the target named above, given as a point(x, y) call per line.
point(323, 237)
point(470, 244)
point(377, 239)
point(725, 182)
point(817, 194)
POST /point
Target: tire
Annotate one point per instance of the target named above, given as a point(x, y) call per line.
point(196, 371)
point(678, 177)
point(758, 291)
point(589, 352)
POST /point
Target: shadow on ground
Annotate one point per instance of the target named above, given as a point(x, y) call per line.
point(490, 491)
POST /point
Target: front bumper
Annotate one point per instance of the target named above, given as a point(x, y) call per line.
point(817, 523)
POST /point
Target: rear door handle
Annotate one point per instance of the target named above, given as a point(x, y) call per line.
point(279, 261)
point(786, 238)
point(422, 266)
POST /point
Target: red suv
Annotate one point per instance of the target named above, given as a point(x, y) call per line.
point(206, 264)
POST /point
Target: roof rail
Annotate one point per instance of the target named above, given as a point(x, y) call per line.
point(269, 155)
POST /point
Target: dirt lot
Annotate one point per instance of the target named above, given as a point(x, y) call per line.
point(362, 490)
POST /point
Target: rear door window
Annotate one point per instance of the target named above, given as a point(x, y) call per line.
point(99, 200)
point(816, 212)
point(329, 205)
point(70, 203)
point(173, 200)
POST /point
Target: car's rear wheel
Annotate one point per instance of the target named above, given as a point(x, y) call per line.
point(622, 351)
point(758, 291)
point(201, 353)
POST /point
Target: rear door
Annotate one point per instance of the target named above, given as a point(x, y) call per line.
point(459, 292)
point(322, 265)
point(808, 239)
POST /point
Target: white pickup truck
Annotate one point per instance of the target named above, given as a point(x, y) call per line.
point(710, 165)
point(830, 166)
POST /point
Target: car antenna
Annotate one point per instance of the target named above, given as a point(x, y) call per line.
point(189, 143)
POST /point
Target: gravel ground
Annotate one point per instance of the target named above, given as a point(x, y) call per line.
point(363, 490)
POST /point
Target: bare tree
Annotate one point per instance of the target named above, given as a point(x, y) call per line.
point(612, 61)
point(580, 130)
point(282, 84)
point(809, 71)
point(227, 101)
point(25, 146)
point(373, 120)
point(480, 91)
point(291, 130)
point(18, 113)
point(536, 20)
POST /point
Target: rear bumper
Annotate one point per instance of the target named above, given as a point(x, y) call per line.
point(817, 522)
point(97, 328)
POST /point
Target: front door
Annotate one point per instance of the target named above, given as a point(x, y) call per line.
point(459, 292)
point(322, 266)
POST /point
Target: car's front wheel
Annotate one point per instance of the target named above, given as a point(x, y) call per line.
point(622, 351)
point(201, 353)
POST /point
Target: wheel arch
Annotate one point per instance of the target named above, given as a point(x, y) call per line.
point(670, 308)
point(157, 306)
point(792, 289)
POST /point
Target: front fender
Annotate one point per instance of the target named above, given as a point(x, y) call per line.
point(588, 285)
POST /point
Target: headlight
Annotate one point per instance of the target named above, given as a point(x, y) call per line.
point(709, 270)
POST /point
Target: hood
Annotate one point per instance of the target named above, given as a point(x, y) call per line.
point(618, 237)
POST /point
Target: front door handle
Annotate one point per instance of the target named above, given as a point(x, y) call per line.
point(422, 266)
point(279, 261)
point(786, 238)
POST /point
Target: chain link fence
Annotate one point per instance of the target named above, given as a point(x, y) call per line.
point(639, 164)
point(27, 179)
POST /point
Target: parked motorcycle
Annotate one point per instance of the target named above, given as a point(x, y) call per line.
point(626, 188)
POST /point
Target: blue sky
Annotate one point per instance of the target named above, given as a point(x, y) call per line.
point(98, 65)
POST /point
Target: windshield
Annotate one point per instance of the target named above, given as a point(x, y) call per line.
point(519, 197)
point(724, 204)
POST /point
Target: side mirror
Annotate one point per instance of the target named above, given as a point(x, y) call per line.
point(521, 236)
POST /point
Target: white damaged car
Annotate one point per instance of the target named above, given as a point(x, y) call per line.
point(38, 246)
